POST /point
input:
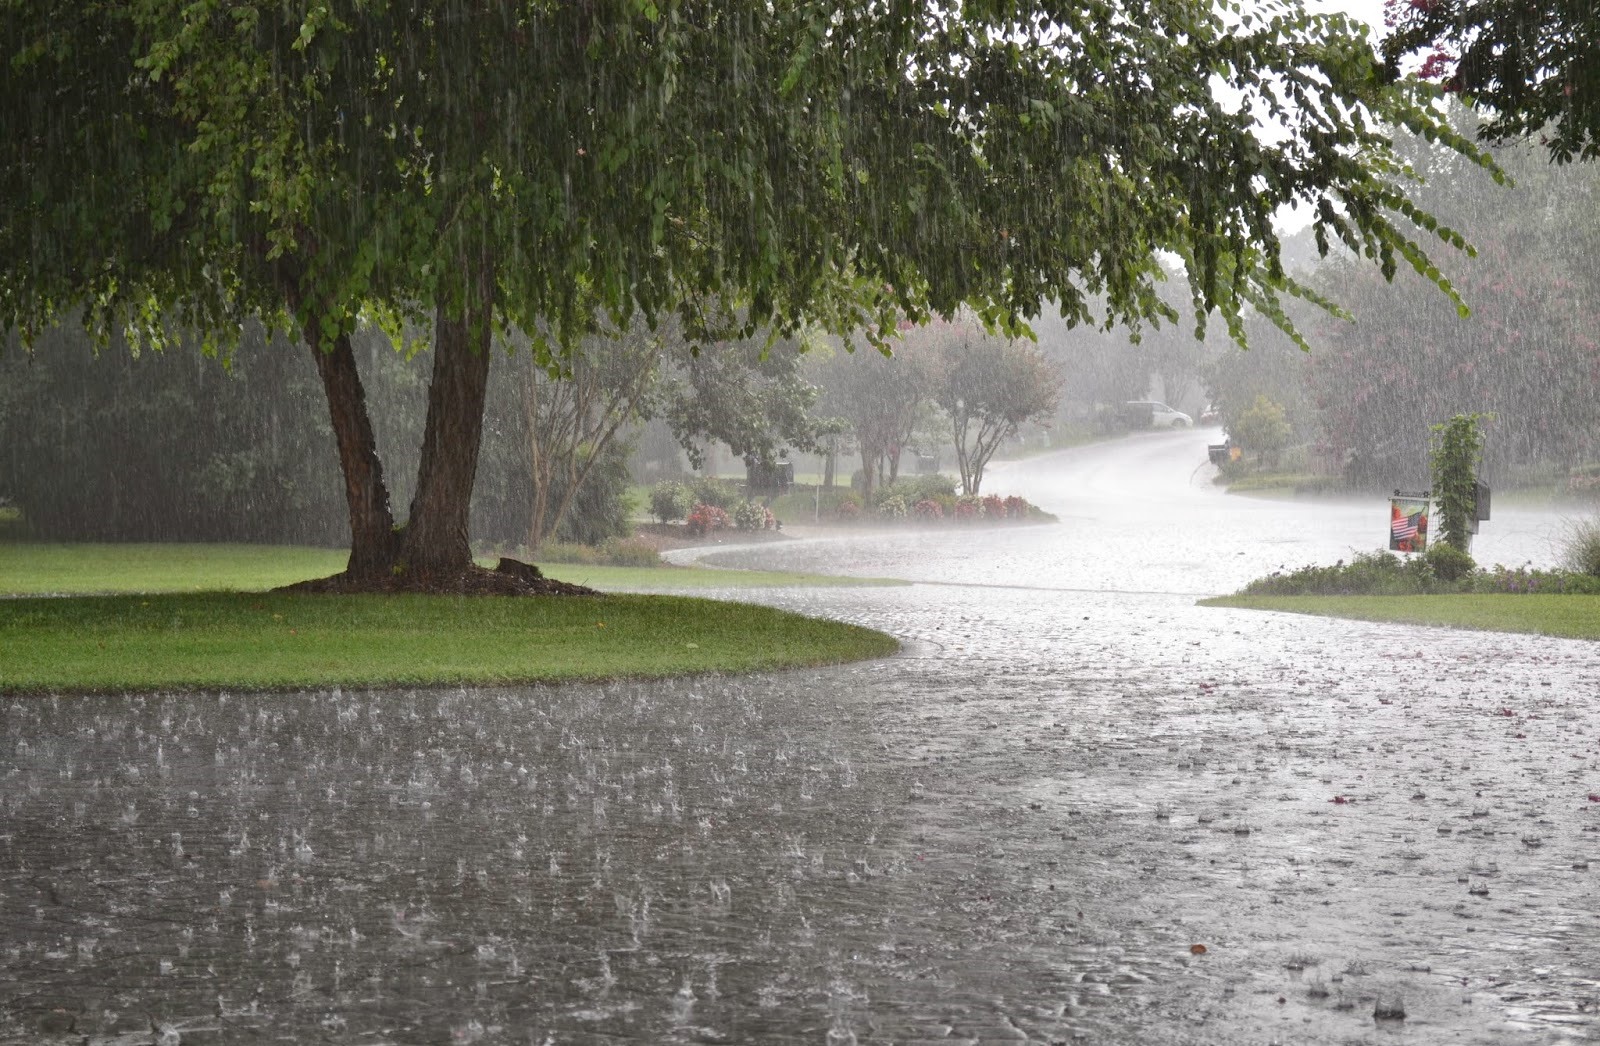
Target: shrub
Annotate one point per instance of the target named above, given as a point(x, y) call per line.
point(1262, 428)
point(624, 552)
point(706, 519)
point(1016, 508)
point(968, 507)
point(629, 552)
point(1385, 574)
point(1580, 546)
point(1448, 563)
point(913, 489)
point(893, 507)
point(928, 509)
point(670, 500)
point(849, 509)
point(751, 515)
point(1379, 573)
point(718, 493)
point(993, 507)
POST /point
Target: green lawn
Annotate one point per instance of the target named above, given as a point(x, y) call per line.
point(254, 641)
point(45, 569)
point(1573, 617)
point(198, 616)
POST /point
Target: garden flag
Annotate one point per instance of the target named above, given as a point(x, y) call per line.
point(1408, 524)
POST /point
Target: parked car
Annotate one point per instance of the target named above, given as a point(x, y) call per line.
point(1150, 414)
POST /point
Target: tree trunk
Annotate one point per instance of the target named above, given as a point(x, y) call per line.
point(435, 541)
point(372, 538)
point(869, 466)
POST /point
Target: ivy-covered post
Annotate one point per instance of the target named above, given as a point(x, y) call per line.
point(1457, 447)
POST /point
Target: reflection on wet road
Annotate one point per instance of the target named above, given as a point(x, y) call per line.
point(1019, 830)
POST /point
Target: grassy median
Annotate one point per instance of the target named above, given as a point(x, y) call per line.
point(1567, 616)
point(198, 617)
point(260, 641)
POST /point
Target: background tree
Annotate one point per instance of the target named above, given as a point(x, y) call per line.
point(989, 387)
point(748, 394)
point(1275, 368)
point(1104, 369)
point(880, 397)
point(572, 418)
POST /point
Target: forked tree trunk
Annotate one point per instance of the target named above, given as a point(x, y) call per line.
point(373, 542)
point(435, 539)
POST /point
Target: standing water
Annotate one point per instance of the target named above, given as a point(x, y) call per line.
point(1078, 808)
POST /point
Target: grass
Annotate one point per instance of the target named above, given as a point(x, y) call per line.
point(45, 569)
point(40, 569)
point(220, 640)
point(1567, 616)
point(198, 617)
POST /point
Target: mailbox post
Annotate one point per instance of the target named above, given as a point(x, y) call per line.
point(1480, 505)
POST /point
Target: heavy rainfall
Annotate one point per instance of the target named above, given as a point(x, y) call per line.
point(281, 287)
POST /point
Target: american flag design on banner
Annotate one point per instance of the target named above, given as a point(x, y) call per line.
point(1408, 525)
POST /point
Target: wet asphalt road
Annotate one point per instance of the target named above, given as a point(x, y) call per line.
point(1019, 830)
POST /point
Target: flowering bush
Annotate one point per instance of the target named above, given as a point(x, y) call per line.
point(993, 507)
point(1016, 508)
point(849, 509)
point(928, 508)
point(750, 515)
point(893, 507)
point(1525, 580)
point(968, 507)
point(706, 519)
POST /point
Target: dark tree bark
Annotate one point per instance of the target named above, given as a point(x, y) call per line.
point(435, 541)
point(373, 542)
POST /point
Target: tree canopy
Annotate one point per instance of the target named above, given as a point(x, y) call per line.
point(1533, 68)
point(548, 164)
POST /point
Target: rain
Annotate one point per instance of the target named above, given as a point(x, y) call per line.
point(1077, 806)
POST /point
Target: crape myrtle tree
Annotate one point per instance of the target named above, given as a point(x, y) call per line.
point(988, 387)
point(539, 163)
point(1528, 353)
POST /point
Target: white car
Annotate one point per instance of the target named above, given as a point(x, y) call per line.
point(1151, 414)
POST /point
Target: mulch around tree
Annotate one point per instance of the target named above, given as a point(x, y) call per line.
point(510, 577)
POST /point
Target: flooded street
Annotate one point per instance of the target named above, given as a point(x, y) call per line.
point(1077, 808)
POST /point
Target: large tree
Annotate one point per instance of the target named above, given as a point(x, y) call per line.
point(819, 161)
